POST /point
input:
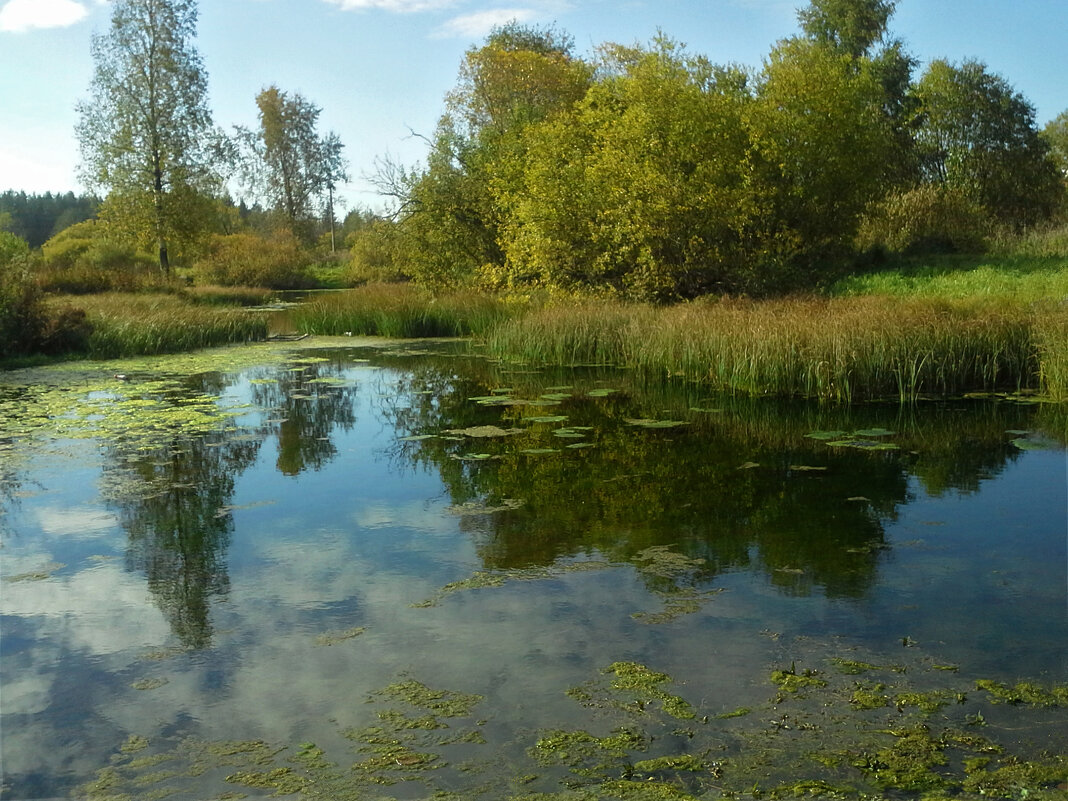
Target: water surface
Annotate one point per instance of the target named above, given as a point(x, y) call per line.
point(278, 548)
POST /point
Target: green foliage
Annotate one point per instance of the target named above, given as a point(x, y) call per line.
point(287, 164)
point(1056, 135)
point(85, 258)
point(977, 135)
point(22, 315)
point(373, 254)
point(250, 260)
point(932, 218)
point(145, 132)
point(12, 247)
point(850, 26)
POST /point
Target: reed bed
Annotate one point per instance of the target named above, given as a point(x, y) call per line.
point(144, 325)
point(1051, 331)
point(399, 310)
point(839, 349)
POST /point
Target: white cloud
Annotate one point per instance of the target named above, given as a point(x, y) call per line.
point(480, 23)
point(397, 6)
point(18, 16)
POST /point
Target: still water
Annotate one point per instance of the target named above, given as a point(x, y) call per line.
point(390, 572)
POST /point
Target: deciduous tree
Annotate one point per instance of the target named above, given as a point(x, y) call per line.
point(145, 131)
point(287, 164)
point(977, 134)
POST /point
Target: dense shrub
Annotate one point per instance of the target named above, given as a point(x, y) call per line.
point(83, 259)
point(22, 314)
point(373, 254)
point(249, 260)
point(928, 219)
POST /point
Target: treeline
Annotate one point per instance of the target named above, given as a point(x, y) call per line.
point(652, 173)
point(37, 218)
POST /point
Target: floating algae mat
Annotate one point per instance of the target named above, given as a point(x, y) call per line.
point(341, 571)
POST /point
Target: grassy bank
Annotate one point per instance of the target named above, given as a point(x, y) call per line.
point(833, 348)
point(120, 324)
point(399, 310)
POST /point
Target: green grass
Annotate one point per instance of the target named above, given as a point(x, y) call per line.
point(1019, 278)
point(398, 310)
point(150, 324)
point(832, 348)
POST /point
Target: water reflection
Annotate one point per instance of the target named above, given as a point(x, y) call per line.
point(734, 527)
point(738, 484)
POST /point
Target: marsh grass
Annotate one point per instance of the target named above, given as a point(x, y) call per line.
point(150, 324)
point(832, 348)
point(399, 310)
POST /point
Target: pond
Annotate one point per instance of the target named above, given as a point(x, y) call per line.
point(371, 571)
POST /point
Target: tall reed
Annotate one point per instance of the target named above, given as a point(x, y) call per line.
point(841, 349)
point(136, 325)
point(398, 310)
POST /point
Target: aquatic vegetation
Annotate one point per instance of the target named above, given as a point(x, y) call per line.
point(1025, 693)
point(816, 744)
point(334, 637)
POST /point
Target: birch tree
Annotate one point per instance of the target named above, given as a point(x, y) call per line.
point(145, 132)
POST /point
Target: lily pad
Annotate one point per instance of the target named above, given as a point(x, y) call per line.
point(484, 432)
point(579, 445)
point(863, 445)
point(569, 433)
point(602, 392)
point(648, 423)
point(868, 433)
point(552, 418)
point(555, 396)
point(418, 437)
point(539, 451)
point(826, 435)
point(1036, 443)
point(807, 468)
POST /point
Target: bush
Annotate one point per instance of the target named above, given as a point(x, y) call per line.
point(277, 262)
point(12, 247)
point(927, 219)
point(82, 259)
point(22, 313)
point(373, 255)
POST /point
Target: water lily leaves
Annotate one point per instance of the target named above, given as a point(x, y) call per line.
point(806, 468)
point(602, 392)
point(576, 432)
point(869, 433)
point(826, 435)
point(748, 465)
point(552, 418)
point(555, 396)
point(417, 437)
point(579, 445)
point(705, 410)
point(648, 423)
point(863, 445)
point(484, 432)
point(539, 451)
point(1035, 442)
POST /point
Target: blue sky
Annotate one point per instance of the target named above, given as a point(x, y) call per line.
point(380, 68)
